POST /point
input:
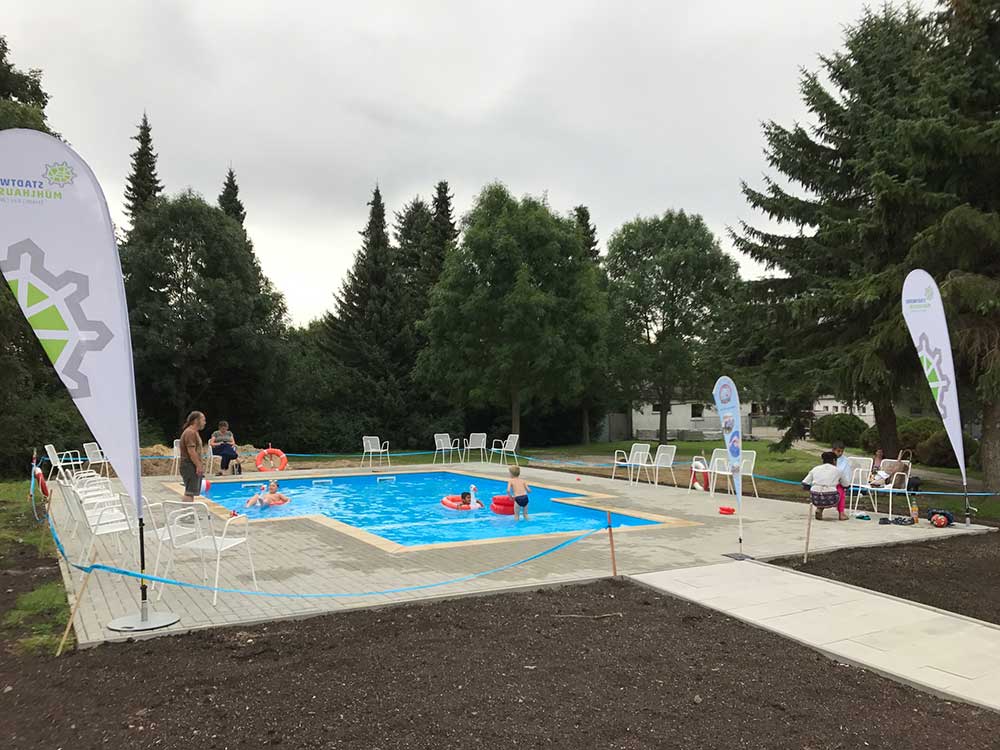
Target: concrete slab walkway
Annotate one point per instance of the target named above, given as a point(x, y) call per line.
point(937, 651)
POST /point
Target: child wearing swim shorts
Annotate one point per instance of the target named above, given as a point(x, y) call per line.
point(518, 489)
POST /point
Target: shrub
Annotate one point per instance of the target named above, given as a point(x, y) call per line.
point(936, 450)
point(870, 439)
point(844, 427)
point(912, 432)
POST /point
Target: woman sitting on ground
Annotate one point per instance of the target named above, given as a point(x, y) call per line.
point(268, 498)
point(224, 444)
point(822, 482)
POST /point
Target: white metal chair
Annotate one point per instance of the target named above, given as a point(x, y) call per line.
point(719, 467)
point(96, 457)
point(371, 446)
point(902, 479)
point(504, 448)
point(860, 471)
point(67, 465)
point(443, 444)
point(476, 442)
point(210, 459)
point(635, 462)
point(664, 459)
point(175, 462)
point(189, 528)
point(104, 517)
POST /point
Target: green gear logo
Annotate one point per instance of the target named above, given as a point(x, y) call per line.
point(52, 305)
point(60, 173)
point(930, 360)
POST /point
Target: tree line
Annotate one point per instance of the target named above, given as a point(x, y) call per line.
point(509, 318)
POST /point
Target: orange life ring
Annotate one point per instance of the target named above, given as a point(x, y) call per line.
point(40, 478)
point(502, 505)
point(454, 502)
point(282, 459)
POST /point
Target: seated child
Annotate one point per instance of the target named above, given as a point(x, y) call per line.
point(822, 482)
point(269, 497)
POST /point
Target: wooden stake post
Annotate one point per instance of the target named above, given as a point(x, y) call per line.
point(611, 539)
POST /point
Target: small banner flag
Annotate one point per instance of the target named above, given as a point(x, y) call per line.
point(59, 257)
point(727, 404)
point(924, 315)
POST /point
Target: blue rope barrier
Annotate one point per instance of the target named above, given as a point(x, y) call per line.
point(347, 595)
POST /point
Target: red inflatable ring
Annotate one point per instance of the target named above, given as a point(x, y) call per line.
point(40, 478)
point(282, 459)
point(454, 502)
point(502, 505)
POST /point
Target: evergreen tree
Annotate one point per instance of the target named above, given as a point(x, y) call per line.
point(205, 320)
point(443, 237)
point(143, 185)
point(414, 232)
point(588, 233)
point(370, 336)
point(858, 202)
point(229, 198)
point(962, 246)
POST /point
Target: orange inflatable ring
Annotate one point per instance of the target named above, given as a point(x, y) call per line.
point(454, 502)
point(40, 478)
point(502, 505)
point(282, 459)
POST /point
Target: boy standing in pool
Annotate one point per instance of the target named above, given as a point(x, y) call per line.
point(518, 489)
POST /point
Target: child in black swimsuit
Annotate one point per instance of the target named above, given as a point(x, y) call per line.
point(518, 489)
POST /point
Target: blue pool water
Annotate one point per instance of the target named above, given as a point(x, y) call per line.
point(407, 509)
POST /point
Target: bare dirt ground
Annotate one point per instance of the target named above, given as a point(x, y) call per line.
point(606, 665)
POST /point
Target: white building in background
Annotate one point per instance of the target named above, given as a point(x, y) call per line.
point(682, 416)
point(829, 405)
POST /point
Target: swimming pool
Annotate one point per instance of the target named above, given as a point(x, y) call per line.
point(406, 508)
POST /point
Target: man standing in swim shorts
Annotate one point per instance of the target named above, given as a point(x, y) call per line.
point(190, 464)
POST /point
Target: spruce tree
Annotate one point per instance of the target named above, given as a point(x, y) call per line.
point(370, 336)
point(443, 237)
point(588, 232)
point(858, 202)
point(143, 185)
point(414, 242)
point(229, 198)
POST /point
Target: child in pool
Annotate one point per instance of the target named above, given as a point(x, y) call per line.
point(269, 497)
point(469, 499)
point(518, 489)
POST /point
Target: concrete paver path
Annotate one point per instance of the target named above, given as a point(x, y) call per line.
point(937, 651)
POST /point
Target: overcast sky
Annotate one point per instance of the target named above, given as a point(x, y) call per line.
point(630, 108)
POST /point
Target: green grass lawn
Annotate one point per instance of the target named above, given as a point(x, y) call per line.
point(36, 620)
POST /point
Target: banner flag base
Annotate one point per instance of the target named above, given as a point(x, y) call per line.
point(142, 621)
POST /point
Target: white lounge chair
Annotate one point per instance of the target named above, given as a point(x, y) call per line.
point(504, 448)
point(634, 462)
point(664, 459)
point(371, 447)
point(476, 442)
point(96, 458)
point(189, 528)
point(443, 444)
